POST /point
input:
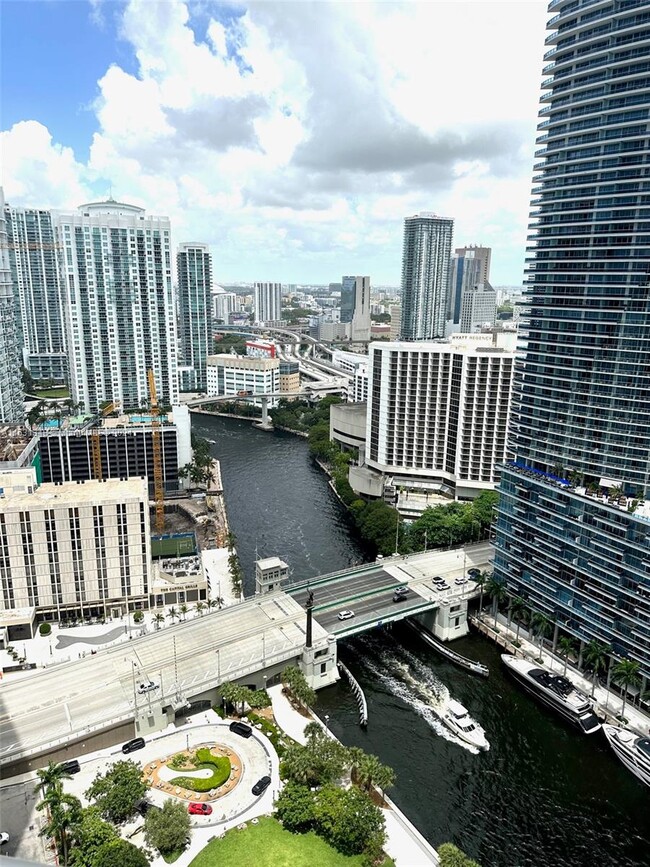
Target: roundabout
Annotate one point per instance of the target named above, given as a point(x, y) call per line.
point(205, 773)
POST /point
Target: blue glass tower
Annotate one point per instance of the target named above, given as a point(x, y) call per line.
point(573, 528)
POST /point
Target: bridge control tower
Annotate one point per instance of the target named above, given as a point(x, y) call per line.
point(269, 574)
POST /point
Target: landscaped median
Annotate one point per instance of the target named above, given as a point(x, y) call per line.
point(267, 844)
point(203, 760)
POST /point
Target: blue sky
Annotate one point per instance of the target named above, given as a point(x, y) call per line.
point(293, 137)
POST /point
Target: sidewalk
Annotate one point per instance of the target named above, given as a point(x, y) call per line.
point(607, 703)
point(404, 843)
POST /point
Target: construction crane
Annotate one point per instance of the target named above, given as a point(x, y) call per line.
point(98, 471)
point(159, 491)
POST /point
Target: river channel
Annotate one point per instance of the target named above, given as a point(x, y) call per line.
point(542, 796)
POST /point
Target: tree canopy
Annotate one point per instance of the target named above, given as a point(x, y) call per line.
point(118, 790)
point(120, 853)
point(168, 829)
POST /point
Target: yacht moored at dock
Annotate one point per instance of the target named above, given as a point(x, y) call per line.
point(555, 691)
point(456, 718)
point(632, 749)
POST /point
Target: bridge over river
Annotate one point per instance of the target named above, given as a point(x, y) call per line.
point(95, 700)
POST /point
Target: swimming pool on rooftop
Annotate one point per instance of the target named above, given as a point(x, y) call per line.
point(145, 419)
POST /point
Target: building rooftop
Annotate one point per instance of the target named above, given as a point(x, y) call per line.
point(271, 563)
point(14, 439)
point(78, 493)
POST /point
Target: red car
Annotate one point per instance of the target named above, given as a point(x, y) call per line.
point(199, 809)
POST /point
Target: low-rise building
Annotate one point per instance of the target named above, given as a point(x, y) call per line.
point(74, 549)
point(289, 376)
point(241, 376)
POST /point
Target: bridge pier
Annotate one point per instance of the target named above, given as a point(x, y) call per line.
point(265, 423)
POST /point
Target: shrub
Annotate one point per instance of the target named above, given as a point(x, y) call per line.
point(219, 711)
point(220, 767)
point(138, 616)
point(45, 628)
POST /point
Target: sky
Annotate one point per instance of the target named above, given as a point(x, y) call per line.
point(293, 137)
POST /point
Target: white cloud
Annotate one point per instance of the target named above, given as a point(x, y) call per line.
point(296, 136)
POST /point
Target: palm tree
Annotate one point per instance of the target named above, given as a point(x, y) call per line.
point(63, 812)
point(217, 602)
point(565, 647)
point(199, 608)
point(158, 618)
point(183, 609)
point(51, 778)
point(517, 609)
point(595, 655)
point(172, 614)
point(231, 540)
point(497, 590)
point(626, 673)
point(541, 625)
point(480, 581)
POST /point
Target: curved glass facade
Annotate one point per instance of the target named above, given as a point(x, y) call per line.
point(573, 534)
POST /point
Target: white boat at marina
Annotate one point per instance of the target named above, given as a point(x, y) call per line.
point(632, 749)
point(456, 718)
point(555, 691)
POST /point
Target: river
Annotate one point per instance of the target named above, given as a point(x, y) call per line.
point(542, 796)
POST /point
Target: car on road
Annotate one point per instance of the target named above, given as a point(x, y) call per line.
point(241, 729)
point(148, 686)
point(461, 580)
point(4, 838)
point(400, 594)
point(345, 614)
point(133, 745)
point(72, 766)
point(441, 585)
point(196, 809)
point(261, 785)
point(474, 573)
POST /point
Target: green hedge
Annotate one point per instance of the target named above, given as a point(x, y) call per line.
point(45, 628)
point(220, 767)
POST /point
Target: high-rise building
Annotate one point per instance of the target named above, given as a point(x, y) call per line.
point(223, 304)
point(37, 290)
point(194, 271)
point(355, 306)
point(267, 302)
point(395, 321)
point(117, 281)
point(438, 414)
point(479, 308)
point(11, 387)
point(469, 266)
point(573, 527)
point(425, 274)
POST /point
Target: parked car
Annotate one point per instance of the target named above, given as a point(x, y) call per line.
point(441, 585)
point(149, 686)
point(474, 572)
point(461, 580)
point(345, 614)
point(197, 809)
point(133, 745)
point(261, 785)
point(4, 838)
point(240, 728)
point(72, 766)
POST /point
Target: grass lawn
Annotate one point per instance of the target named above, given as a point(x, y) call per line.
point(52, 392)
point(269, 845)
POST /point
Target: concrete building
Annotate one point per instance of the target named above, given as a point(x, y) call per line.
point(37, 292)
point(11, 387)
point(355, 307)
point(124, 447)
point(478, 308)
point(238, 376)
point(573, 526)
point(437, 417)
point(330, 331)
point(223, 304)
point(194, 273)
point(289, 376)
point(395, 311)
point(267, 304)
point(73, 549)
point(425, 275)
point(117, 282)
point(469, 266)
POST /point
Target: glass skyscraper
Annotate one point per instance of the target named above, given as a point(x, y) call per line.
point(11, 386)
point(573, 527)
point(194, 269)
point(425, 274)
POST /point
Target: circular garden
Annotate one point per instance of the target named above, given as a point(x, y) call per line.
point(204, 773)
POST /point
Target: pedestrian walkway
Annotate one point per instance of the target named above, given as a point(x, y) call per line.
point(405, 845)
point(608, 704)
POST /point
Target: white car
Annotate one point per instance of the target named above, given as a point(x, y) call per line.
point(460, 581)
point(147, 687)
point(345, 615)
point(4, 838)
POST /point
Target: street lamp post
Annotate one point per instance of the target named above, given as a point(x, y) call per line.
point(425, 541)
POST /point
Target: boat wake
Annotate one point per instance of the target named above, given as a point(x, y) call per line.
point(418, 687)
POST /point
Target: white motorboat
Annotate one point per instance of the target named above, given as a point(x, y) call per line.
point(632, 749)
point(555, 691)
point(456, 718)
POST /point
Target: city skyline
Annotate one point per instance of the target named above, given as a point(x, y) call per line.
point(263, 135)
